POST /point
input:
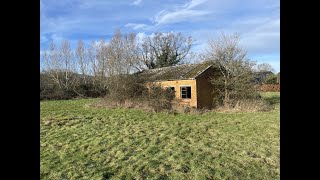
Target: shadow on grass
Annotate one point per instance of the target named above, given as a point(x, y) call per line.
point(107, 175)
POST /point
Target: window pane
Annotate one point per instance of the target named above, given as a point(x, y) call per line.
point(185, 92)
point(188, 92)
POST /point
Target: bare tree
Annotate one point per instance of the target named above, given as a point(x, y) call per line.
point(59, 65)
point(95, 59)
point(81, 56)
point(122, 56)
point(52, 64)
point(264, 67)
point(68, 65)
point(91, 52)
point(101, 57)
point(163, 50)
point(115, 55)
point(131, 53)
point(234, 78)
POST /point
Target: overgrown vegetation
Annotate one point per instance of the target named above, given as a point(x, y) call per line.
point(271, 79)
point(81, 142)
point(110, 70)
point(134, 93)
point(104, 67)
point(233, 79)
point(49, 90)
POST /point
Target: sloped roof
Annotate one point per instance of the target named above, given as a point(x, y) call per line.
point(178, 72)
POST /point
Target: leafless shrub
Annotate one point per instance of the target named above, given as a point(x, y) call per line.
point(134, 94)
point(159, 99)
point(264, 67)
point(128, 87)
point(233, 79)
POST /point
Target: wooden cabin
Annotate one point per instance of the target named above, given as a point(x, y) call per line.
point(190, 82)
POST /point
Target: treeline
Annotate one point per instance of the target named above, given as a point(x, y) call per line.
point(111, 68)
point(92, 71)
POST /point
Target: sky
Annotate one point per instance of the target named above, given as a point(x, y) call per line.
point(257, 22)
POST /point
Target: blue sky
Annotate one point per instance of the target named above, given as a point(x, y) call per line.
point(257, 22)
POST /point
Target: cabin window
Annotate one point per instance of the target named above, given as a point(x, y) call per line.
point(185, 92)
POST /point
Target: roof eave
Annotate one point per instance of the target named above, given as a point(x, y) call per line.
point(203, 71)
point(174, 79)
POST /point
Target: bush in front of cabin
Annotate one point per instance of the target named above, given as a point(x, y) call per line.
point(159, 99)
point(133, 93)
point(125, 87)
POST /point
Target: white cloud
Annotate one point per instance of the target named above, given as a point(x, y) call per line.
point(136, 26)
point(137, 2)
point(264, 37)
point(181, 13)
point(177, 16)
point(259, 35)
point(194, 3)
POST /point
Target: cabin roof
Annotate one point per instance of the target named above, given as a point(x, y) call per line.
point(177, 72)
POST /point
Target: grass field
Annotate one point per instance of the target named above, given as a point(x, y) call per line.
point(81, 142)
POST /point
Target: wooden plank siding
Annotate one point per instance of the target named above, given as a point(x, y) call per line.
point(204, 89)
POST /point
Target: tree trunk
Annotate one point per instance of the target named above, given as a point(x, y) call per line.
point(226, 94)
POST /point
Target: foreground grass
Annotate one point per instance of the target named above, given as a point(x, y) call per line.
point(80, 142)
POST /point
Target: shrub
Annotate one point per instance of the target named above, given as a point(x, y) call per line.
point(271, 79)
point(50, 90)
point(133, 93)
point(124, 88)
point(89, 90)
point(57, 94)
point(159, 99)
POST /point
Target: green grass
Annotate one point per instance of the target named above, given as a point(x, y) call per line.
point(81, 142)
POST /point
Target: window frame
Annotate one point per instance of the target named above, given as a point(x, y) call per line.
point(186, 92)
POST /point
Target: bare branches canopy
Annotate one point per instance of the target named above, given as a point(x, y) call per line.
point(235, 70)
point(164, 50)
